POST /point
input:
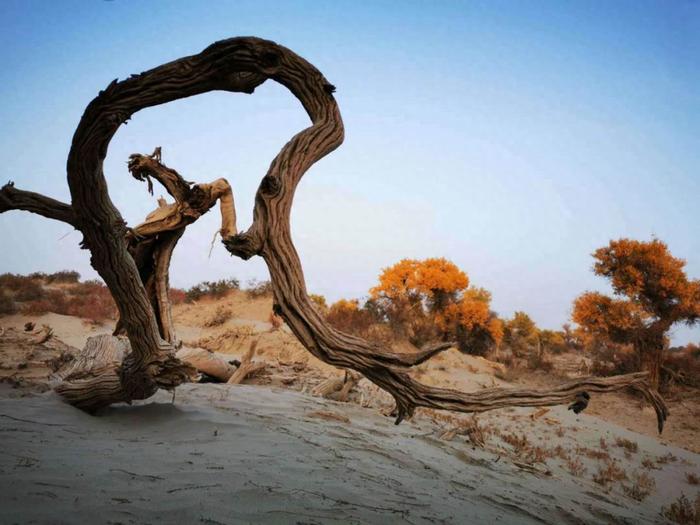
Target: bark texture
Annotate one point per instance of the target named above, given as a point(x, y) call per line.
point(240, 65)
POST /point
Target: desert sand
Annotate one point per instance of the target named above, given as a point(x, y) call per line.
point(232, 454)
point(271, 452)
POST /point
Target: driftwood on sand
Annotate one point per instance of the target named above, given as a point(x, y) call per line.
point(248, 367)
point(238, 65)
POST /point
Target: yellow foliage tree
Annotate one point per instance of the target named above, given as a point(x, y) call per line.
point(654, 292)
point(432, 298)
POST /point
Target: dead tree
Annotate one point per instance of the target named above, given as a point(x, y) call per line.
point(152, 242)
point(240, 65)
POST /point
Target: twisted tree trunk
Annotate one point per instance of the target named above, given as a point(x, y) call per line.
point(240, 65)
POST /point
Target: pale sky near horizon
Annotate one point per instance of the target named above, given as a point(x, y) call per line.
point(513, 138)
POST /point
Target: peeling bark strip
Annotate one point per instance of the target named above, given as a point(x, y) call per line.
point(240, 65)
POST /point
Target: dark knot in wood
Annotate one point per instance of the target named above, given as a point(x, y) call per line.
point(271, 185)
point(135, 380)
point(243, 245)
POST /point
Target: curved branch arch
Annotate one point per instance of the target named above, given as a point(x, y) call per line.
point(240, 65)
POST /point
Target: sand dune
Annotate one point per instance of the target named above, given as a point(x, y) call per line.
point(222, 454)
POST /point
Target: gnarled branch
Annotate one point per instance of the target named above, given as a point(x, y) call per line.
point(12, 198)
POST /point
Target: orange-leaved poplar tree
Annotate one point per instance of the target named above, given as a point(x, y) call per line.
point(521, 334)
point(652, 293)
point(430, 298)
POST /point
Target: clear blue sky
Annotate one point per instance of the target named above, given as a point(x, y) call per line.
point(511, 137)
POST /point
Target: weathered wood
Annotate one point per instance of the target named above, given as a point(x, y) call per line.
point(338, 388)
point(207, 362)
point(247, 367)
point(94, 370)
point(99, 351)
point(12, 198)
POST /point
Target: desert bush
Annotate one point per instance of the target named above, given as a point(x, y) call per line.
point(177, 296)
point(682, 366)
point(555, 342)
point(212, 289)
point(89, 300)
point(600, 455)
point(64, 276)
point(221, 315)
point(692, 479)
point(258, 288)
point(7, 304)
point(12, 281)
point(319, 302)
point(575, 467)
point(609, 359)
point(275, 321)
point(608, 473)
point(538, 361)
point(53, 301)
point(521, 335)
point(683, 512)
point(649, 464)
point(347, 316)
point(630, 446)
point(31, 290)
point(520, 443)
point(642, 485)
point(665, 459)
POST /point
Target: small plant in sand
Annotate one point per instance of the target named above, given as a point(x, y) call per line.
point(63, 276)
point(538, 454)
point(520, 443)
point(319, 301)
point(692, 479)
point(642, 485)
point(682, 511)
point(211, 289)
point(600, 455)
point(666, 458)
point(258, 289)
point(178, 296)
point(608, 473)
point(7, 304)
point(275, 321)
point(560, 452)
point(221, 315)
point(575, 467)
point(629, 446)
point(649, 464)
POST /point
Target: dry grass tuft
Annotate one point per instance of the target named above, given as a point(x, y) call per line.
point(221, 315)
point(520, 443)
point(683, 512)
point(667, 458)
point(642, 485)
point(575, 467)
point(630, 446)
point(599, 455)
point(649, 464)
point(609, 473)
point(692, 479)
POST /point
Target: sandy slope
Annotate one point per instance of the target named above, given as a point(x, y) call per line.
point(232, 454)
point(253, 454)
